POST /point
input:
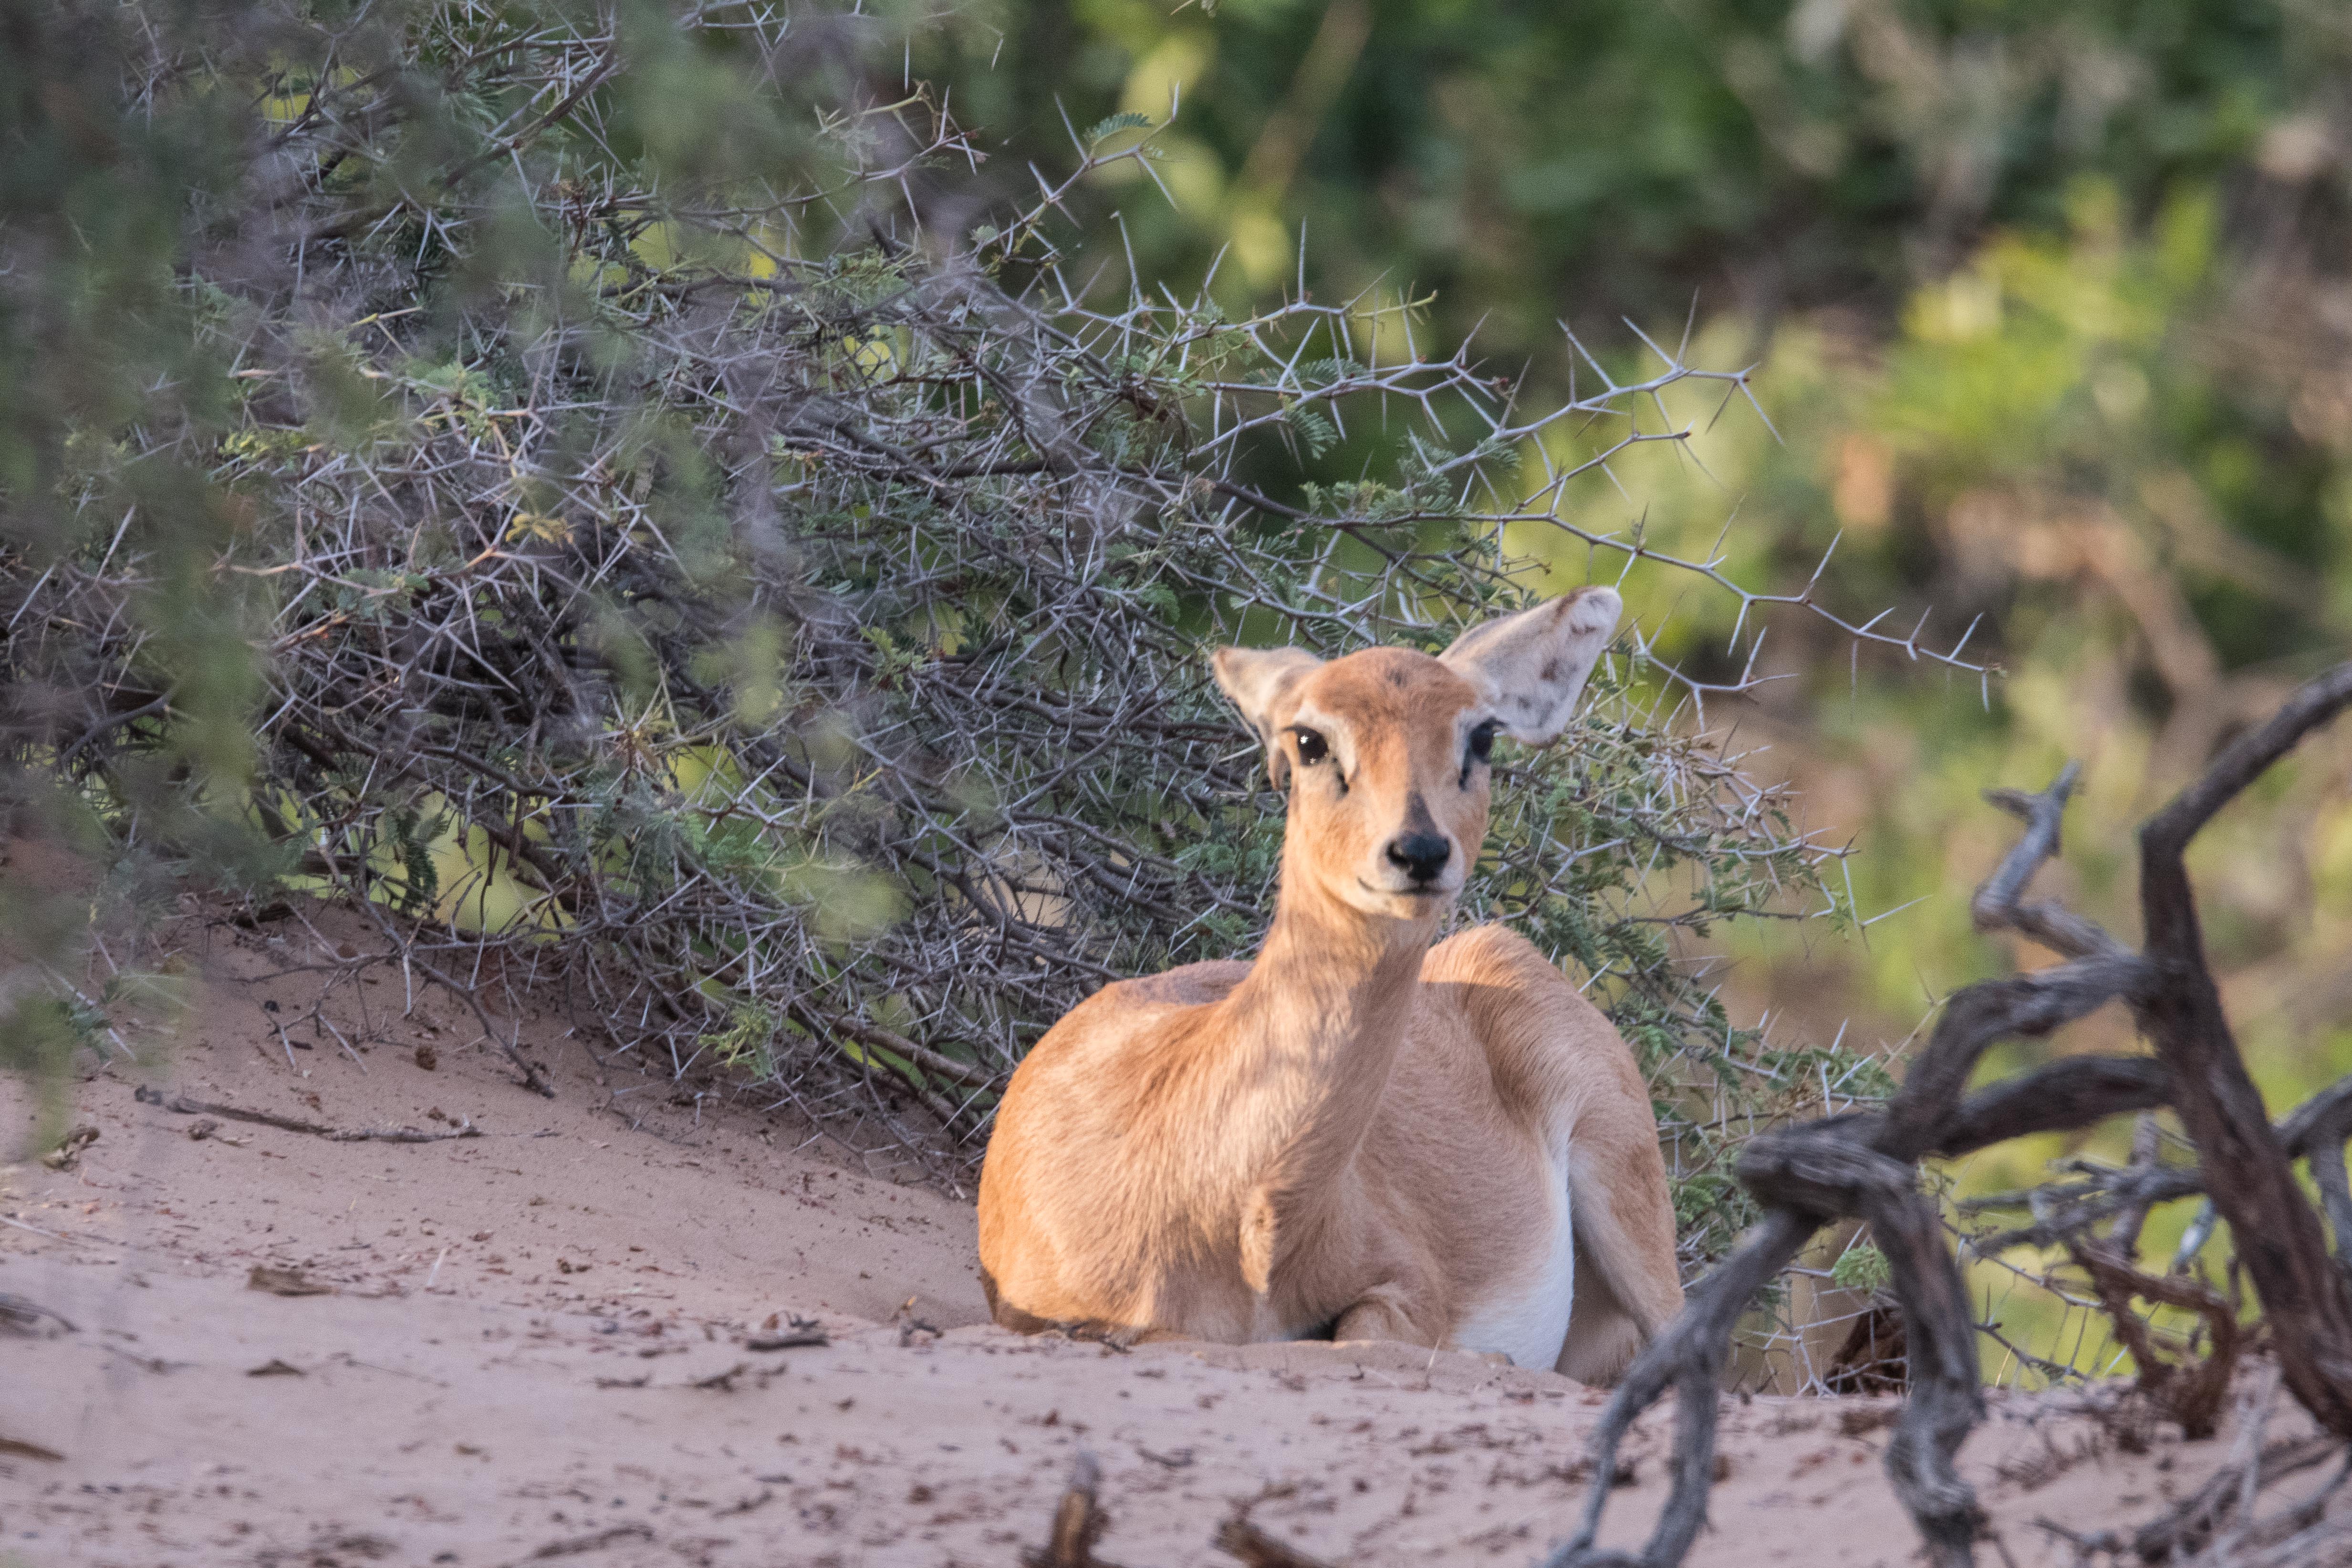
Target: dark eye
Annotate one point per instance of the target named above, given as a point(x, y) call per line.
point(1312, 748)
point(1482, 741)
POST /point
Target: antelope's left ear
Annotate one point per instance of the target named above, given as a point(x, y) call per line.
point(1532, 665)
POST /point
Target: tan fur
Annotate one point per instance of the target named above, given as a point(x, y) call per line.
point(1356, 1133)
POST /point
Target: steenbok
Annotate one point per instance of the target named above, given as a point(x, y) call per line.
point(1358, 1135)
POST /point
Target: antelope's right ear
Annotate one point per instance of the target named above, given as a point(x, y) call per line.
point(1264, 683)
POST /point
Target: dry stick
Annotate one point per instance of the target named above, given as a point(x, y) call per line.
point(597, 1542)
point(16, 1447)
point(871, 1034)
point(964, 1073)
point(1823, 1173)
point(2123, 1234)
point(2325, 1545)
point(23, 1315)
point(2304, 1295)
point(1078, 1522)
point(187, 1107)
point(2195, 1519)
point(1237, 1537)
point(2316, 1129)
point(52, 1234)
point(2297, 1521)
point(1690, 1351)
point(2071, 1091)
point(2253, 1417)
point(2190, 1395)
point(1687, 1356)
point(510, 1048)
point(1864, 1165)
point(2189, 1524)
point(2075, 1090)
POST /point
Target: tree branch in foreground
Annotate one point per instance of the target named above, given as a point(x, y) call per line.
point(1866, 1166)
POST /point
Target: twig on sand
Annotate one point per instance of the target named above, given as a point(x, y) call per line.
point(1237, 1537)
point(17, 1449)
point(1078, 1523)
point(281, 1281)
point(909, 1326)
point(576, 1544)
point(184, 1106)
point(55, 1235)
point(2185, 1532)
point(68, 1152)
point(724, 1381)
point(25, 1316)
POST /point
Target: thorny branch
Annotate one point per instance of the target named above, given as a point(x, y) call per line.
point(773, 612)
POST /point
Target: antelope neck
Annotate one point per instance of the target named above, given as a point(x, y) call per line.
point(1311, 1033)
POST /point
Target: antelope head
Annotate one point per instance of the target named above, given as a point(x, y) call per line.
point(1384, 752)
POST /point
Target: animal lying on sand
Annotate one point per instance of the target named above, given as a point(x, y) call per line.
point(1357, 1135)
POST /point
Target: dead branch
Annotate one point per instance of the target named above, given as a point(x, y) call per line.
point(2216, 1527)
point(596, 1542)
point(2091, 1087)
point(2189, 1393)
point(1078, 1522)
point(20, 1314)
point(184, 1106)
point(1237, 1537)
point(2305, 1297)
point(2316, 1131)
point(723, 1382)
point(17, 1449)
point(2147, 1141)
point(1865, 1166)
point(2193, 1521)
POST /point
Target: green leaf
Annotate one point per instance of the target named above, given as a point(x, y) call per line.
point(1111, 125)
point(1861, 1267)
point(1316, 430)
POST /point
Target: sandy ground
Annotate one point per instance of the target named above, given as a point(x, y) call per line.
point(534, 1346)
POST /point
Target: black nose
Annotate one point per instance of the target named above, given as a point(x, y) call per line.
point(1423, 855)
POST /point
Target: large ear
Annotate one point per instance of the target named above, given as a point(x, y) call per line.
point(1260, 682)
point(1532, 665)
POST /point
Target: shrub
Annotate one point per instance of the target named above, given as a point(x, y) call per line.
point(572, 486)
